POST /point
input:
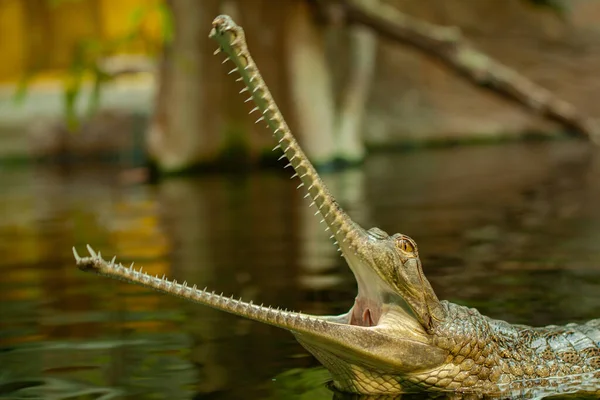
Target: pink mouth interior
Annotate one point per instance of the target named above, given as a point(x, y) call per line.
point(366, 312)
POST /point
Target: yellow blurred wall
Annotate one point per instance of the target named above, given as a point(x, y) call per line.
point(42, 34)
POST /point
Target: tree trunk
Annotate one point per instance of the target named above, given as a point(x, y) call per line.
point(310, 84)
point(181, 134)
point(199, 118)
point(362, 61)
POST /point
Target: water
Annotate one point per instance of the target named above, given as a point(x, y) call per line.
point(513, 230)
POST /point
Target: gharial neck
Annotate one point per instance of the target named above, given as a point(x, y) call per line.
point(232, 42)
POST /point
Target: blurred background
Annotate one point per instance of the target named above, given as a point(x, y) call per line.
point(469, 125)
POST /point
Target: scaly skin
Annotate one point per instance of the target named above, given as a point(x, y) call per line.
point(398, 337)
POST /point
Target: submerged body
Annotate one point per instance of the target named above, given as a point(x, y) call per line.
point(398, 337)
point(486, 356)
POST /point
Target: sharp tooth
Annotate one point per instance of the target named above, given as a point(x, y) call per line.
point(217, 51)
point(91, 251)
point(76, 255)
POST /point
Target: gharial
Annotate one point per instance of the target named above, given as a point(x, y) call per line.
point(397, 337)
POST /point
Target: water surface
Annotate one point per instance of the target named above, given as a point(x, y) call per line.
point(513, 230)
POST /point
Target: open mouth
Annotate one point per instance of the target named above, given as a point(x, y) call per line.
point(365, 312)
point(368, 306)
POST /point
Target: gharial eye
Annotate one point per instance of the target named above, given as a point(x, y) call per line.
point(406, 244)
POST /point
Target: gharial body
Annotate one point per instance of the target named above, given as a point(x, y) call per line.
point(398, 337)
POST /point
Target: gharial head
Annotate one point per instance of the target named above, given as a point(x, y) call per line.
point(388, 271)
point(387, 332)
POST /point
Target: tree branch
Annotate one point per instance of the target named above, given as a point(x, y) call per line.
point(447, 45)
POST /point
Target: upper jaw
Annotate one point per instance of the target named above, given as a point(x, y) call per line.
point(358, 257)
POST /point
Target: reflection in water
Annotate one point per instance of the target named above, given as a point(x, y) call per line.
point(512, 230)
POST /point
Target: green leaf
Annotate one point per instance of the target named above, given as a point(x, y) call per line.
point(22, 87)
point(168, 29)
point(70, 96)
point(100, 77)
point(72, 88)
point(137, 17)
